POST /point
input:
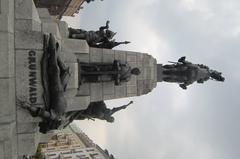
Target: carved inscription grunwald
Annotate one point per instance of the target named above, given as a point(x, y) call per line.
point(32, 65)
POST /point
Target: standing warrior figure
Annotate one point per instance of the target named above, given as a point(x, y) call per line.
point(186, 73)
point(125, 72)
point(116, 71)
point(96, 110)
point(93, 37)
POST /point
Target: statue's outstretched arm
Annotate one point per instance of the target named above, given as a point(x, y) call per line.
point(114, 110)
point(102, 28)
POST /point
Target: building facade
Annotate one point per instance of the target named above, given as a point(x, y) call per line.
point(71, 145)
point(60, 8)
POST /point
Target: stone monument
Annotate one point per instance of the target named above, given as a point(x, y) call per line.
point(186, 73)
point(45, 75)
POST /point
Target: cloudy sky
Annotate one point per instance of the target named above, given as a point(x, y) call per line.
point(170, 123)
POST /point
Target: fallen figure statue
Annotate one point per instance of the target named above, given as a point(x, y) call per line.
point(55, 76)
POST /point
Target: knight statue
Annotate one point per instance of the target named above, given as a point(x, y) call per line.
point(185, 73)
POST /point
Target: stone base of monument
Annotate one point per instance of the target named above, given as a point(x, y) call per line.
point(21, 48)
point(8, 131)
point(22, 27)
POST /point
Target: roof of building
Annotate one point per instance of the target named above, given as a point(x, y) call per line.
point(60, 8)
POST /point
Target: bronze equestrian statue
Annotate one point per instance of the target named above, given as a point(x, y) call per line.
point(186, 73)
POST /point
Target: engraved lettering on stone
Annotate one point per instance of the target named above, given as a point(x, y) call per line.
point(32, 65)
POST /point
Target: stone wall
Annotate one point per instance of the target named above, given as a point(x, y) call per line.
point(28, 54)
point(8, 137)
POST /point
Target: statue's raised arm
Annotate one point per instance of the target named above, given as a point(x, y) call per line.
point(102, 28)
point(114, 110)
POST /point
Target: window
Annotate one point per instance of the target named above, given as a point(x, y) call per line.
point(49, 149)
point(82, 157)
point(90, 150)
point(51, 154)
point(68, 152)
point(95, 156)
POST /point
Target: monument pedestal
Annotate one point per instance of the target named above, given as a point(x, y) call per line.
point(8, 136)
point(22, 27)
